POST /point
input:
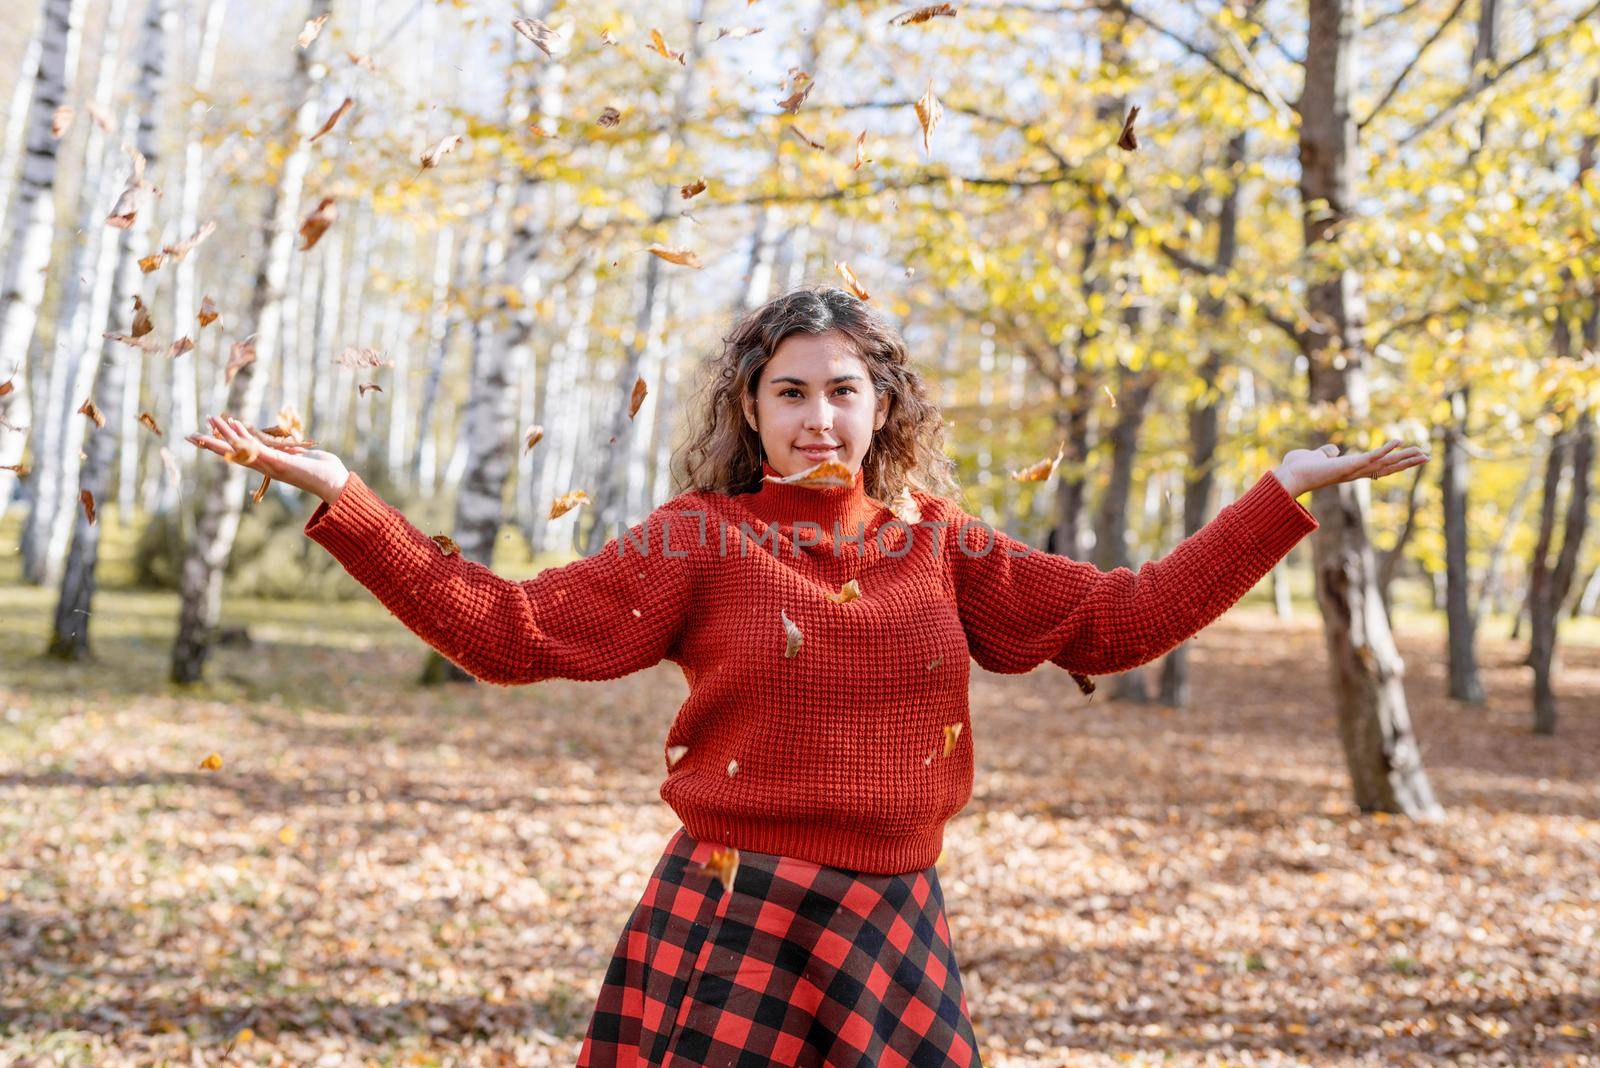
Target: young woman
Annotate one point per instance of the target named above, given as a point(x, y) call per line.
point(825, 628)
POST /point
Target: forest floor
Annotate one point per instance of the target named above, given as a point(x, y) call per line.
point(384, 874)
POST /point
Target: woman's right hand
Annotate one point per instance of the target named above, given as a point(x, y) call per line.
point(312, 470)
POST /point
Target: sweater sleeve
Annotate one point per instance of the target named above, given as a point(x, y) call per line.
point(1021, 606)
point(600, 617)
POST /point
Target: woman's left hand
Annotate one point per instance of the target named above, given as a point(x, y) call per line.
point(1309, 469)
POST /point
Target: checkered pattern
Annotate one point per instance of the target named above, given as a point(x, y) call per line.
point(799, 964)
point(837, 754)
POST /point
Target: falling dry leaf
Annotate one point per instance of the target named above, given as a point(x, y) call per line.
point(850, 280)
point(567, 502)
point(61, 120)
point(7, 386)
point(245, 454)
point(1128, 140)
point(20, 470)
point(362, 388)
point(693, 189)
point(362, 60)
point(141, 318)
point(88, 408)
point(861, 151)
point(439, 151)
point(87, 499)
point(609, 117)
point(152, 262)
point(723, 864)
point(310, 30)
point(737, 32)
point(446, 544)
point(99, 114)
point(188, 244)
point(682, 256)
point(637, 397)
point(289, 427)
point(929, 112)
point(150, 421)
point(905, 507)
point(1042, 470)
point(658, 45)
point(179, 347)
point(208, 312)
point(829, 474)
point(850, 591)
point(951, 733)
point(313, 226)
point(537, 32)
point(261, 490)
point(534, 435)
point(333, 120)
point(129, 201)
point(356, 358)
point(922, 14)
point(240, 354)
point(803, 83)
point(791, 635)
point(212, 762)
point(818, 145)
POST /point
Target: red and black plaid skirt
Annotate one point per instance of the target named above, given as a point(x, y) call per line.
point(800, 964)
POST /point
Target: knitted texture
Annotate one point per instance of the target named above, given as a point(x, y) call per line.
point(835, 754)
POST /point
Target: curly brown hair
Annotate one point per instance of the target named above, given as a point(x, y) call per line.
point(724, 452)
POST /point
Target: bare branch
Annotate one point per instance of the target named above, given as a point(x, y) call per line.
point(1471, 92)
point(1394, 87)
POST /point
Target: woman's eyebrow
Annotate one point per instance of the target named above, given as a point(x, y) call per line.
point(831, 381)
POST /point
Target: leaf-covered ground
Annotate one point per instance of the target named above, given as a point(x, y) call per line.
point(384, 874)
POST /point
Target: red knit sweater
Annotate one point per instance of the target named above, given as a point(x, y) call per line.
point(835, 754)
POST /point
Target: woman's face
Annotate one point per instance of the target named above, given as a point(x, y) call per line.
point(815, 391)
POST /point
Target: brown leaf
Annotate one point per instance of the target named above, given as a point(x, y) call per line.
point(188, 244)
point(537, 32)
point(693, 189)
point(88, 408)
point(534, 435)
point(951, 733)
point(567, 502)
point(289, 426)
point(1128, 140)
point(637, 398)
point(240, 354)
point(658, 45)
point(803, 83)
point(179, 347)
point(261, 490)
point(850, 591)
point(356, 359)
point(362, 60)
point(313, 226)
point(333, 120)
point(929, 112)
point(1042, 470)
point(7, 386)
point(309, 31)
point(922, 14)
point(791, 635)
point(447, 544)
point(141, 318)
point(905, 507)
point(609, 117)
point(737, 32)
point(150, 421)
point(143, 344)
point(723, 864)
point(829, 474)
point(677, 254)
point(212, 762)
point(131, 199)
point(804, 139)
point(850, 280)
point(363, 387)
point(208, 312)
point(439, 151)
point(61, 120)
point(152, 262)
point(86, 497)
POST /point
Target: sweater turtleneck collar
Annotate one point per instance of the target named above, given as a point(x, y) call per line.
point(783, 505)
